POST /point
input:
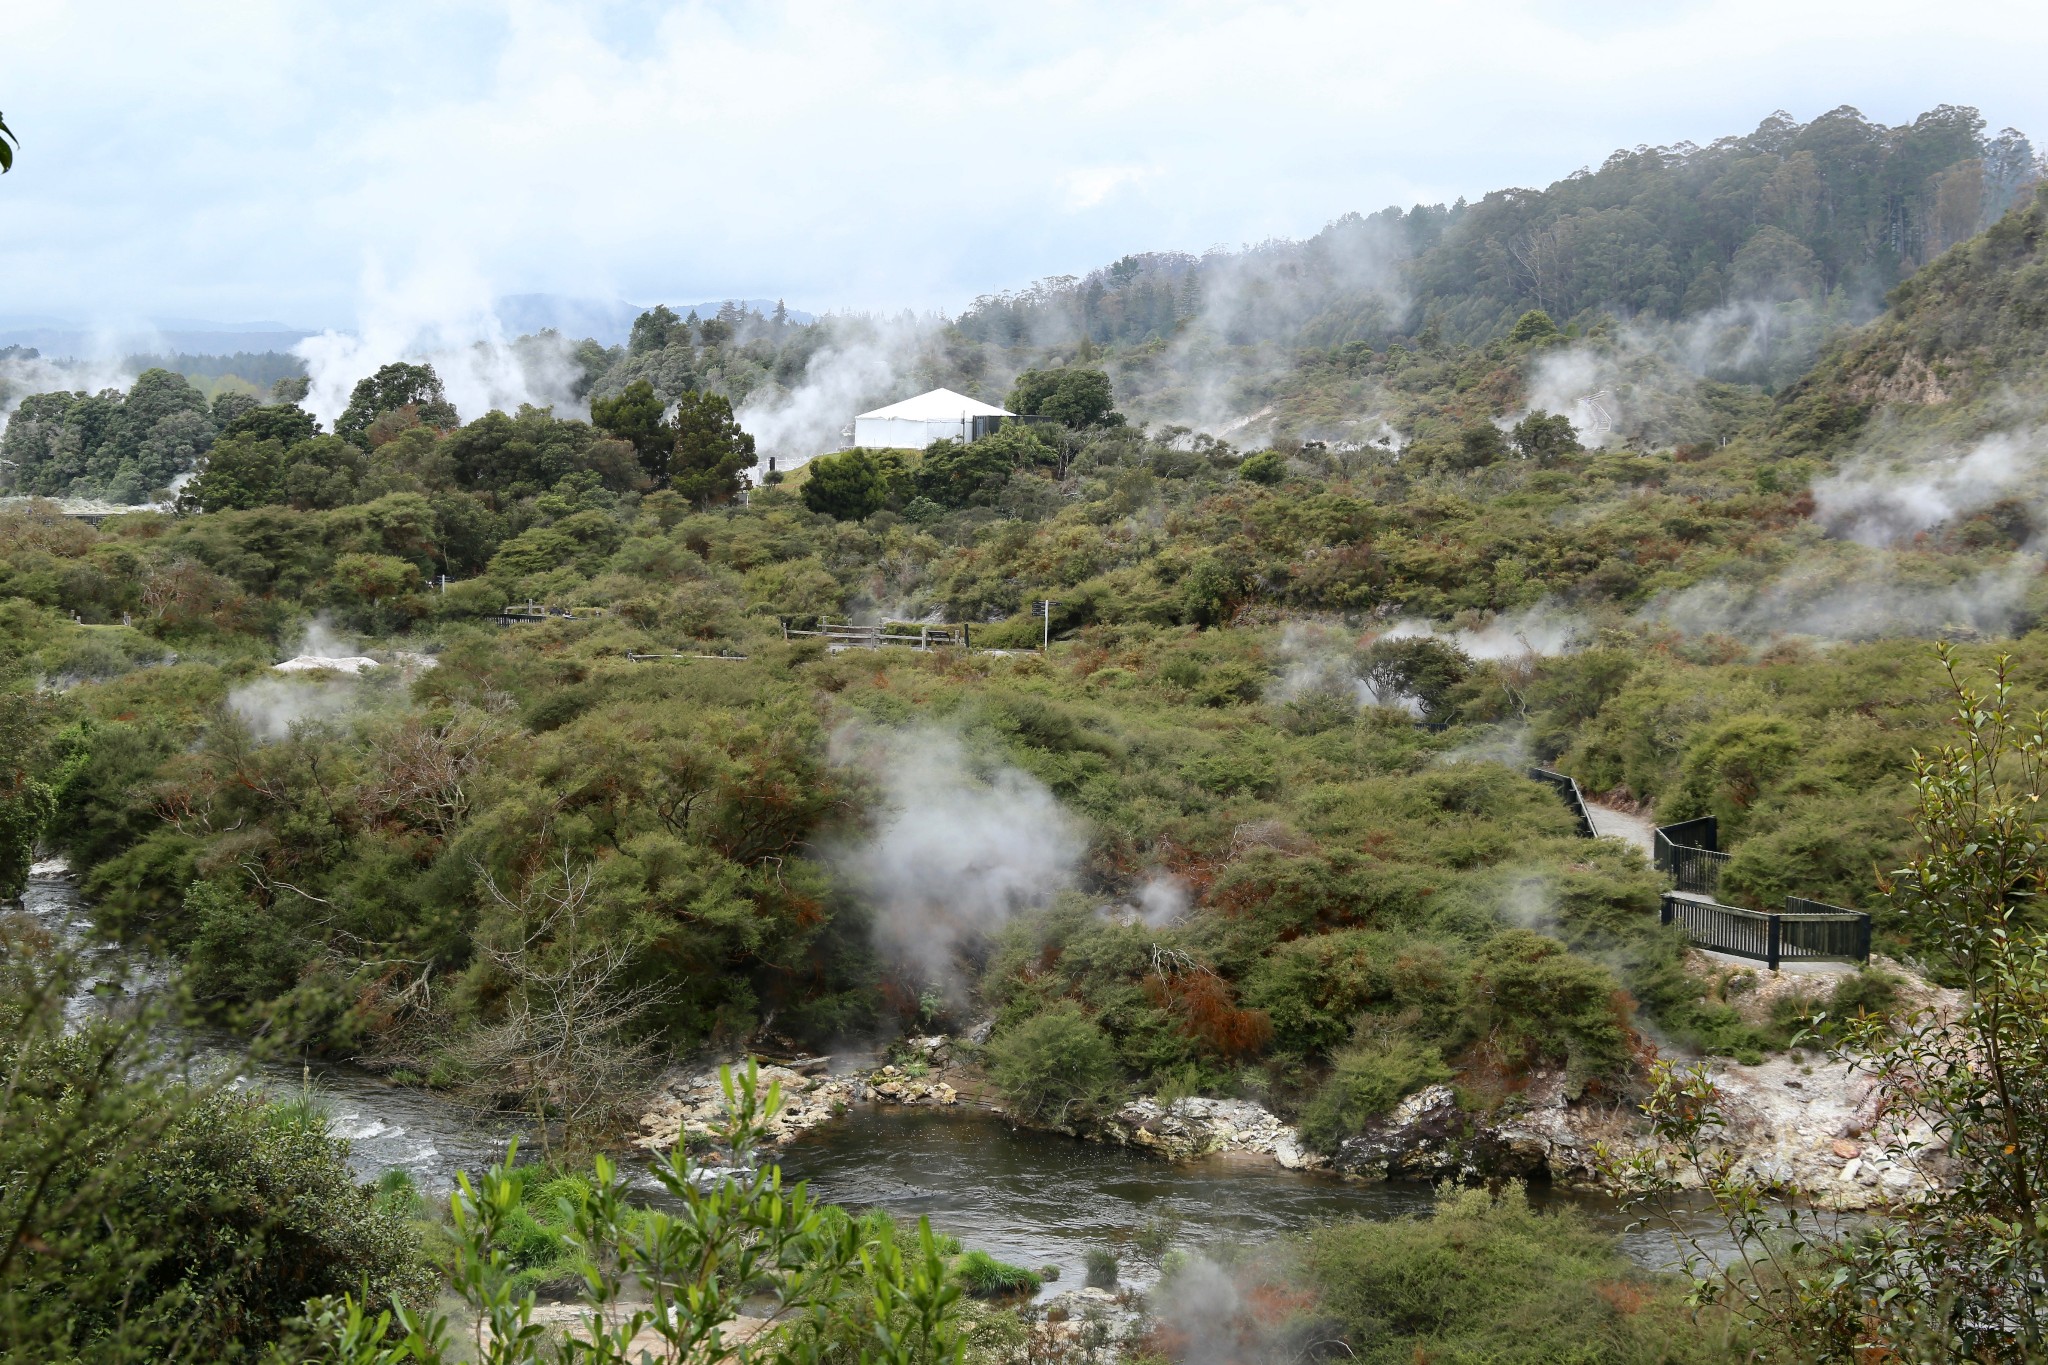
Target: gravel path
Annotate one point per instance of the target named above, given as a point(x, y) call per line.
point(1611, 823)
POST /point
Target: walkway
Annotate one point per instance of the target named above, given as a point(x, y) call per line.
point(1611, 823)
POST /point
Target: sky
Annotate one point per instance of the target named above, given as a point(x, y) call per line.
point(319, 163)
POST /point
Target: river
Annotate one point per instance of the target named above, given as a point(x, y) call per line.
point(1032, 1198)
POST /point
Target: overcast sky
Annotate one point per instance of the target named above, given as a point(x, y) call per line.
point(311, 162)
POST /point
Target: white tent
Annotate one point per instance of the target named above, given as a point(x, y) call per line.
point(916, 422)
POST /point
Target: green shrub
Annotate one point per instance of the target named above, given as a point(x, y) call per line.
point(1365, 1081)
point(1266, 467)
point(1102, 1268)
point(1533, 1001)
point(985, 1277)
point(1485, 1280)
point(1055, 1066)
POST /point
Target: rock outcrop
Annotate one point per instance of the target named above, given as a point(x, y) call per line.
point(1195, 1127)
point(1427, 1136)
point(691, 1105)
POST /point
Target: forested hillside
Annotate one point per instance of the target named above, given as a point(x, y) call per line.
point(554, 785)
point(1224, 727)
point(1687, 269)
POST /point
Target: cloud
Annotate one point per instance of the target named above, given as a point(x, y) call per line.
point(1088, 186)
point(888, 156)
point(955, 852)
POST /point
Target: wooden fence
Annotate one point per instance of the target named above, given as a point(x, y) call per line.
point(1806, 931)
point(874, 637)
point(540, 611)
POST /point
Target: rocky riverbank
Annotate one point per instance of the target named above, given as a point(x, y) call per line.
point(1804, 1126)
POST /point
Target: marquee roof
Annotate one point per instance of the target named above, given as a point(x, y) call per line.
point(940, 405)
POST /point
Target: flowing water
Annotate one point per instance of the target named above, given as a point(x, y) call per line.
point(1031, 1198)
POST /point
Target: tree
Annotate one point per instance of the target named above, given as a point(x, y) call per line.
point(1545, 437)
point(8, 142)
point(953, 474)
point(1074, 396)
point(635, 416)
point(240, 472)
point(27, 796)
point(1267, 467)
point(657, 329)
point(1056, 1065)
point(848, 486)
point(710, 449)
point(142, 1219)
point(393, 388)
point(286, 423)
point(1534, 325)
point(560, 1041)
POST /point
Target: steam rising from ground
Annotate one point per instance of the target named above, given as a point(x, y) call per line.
point(270, 706)
point(866, 363)
point(956, 851)
point(1538, 631)
point(1877, 501)
point(445, 318)
point(1853, 599)
point(20, 377)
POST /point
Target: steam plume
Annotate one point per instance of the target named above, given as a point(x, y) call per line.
point(955, 852)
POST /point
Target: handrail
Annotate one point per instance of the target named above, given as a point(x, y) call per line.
point(1574, 800)
point(1822, 933)
point(927, 636)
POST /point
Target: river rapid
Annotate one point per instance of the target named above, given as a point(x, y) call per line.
point(1033, 1198)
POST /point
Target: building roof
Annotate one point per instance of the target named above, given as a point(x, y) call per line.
point(940, 405)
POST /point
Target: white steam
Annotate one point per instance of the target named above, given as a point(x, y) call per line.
point(1864, 599)
point(1317, 660)
point(866, 363)
point(1540, 631)
point(1162, 900)
point(1579, 382)
point(22, 376)
point(272, 707)
point(956, 852)
point(447, 319)
point(1875, 501)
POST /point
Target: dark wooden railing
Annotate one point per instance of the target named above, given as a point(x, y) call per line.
point(1574, 799)
point(1806, 931)
point(1705, 832)
point(1689, 852)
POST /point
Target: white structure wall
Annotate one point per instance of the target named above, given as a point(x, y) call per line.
point(905, 433)
point(916, 422)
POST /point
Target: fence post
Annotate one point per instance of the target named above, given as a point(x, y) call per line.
point(1772, 940)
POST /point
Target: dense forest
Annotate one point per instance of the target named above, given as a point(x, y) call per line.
point(1256, 823)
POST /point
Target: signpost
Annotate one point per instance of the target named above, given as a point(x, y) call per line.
point(1044, 609)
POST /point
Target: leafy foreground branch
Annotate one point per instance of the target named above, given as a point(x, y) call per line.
point(742, 1268)
point(1962, 1273)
